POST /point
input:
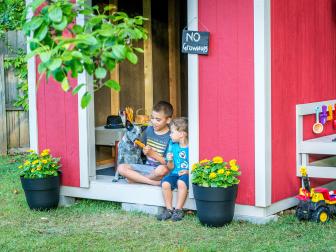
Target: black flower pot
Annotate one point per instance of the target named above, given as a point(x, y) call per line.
point(215, 205)
point(42, 193)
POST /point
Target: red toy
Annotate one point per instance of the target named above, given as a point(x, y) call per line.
point(316, 204)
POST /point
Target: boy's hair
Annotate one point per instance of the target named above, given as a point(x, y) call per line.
point(165, 107)
point(181, 124)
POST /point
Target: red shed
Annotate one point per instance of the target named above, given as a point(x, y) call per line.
point(270, 63)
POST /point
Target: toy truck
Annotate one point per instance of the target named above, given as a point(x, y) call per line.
point(315, 204)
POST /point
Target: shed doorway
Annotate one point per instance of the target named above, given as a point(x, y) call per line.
point(160, 74)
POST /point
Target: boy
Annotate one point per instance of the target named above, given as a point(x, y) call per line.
point(156, 138)
point(178, 163)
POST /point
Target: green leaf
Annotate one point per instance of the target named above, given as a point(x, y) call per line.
point(77, 54)
point(35, 23)
point(45, 56)
point(65, 85)
point(77, 29)
point(55, 13)
point(100, 73)
point(76, 89)
point(138, 49)
point(113, 85)
point(58, 75)
point(41, 32)
point(61, 26)
point(85, 99)
point(41, 68)
point(132, 57)
point(119, 51)
point(54, 64)
point(87, 39)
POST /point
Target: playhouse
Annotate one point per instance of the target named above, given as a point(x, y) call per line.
point(252, 98)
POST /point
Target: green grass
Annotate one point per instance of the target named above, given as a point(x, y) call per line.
point(102, 226)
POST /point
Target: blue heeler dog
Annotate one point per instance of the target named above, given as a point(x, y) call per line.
point(128, 153)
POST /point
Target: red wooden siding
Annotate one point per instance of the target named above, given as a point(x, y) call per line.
point(303, 42)
point(226, 89)
point(57, 114)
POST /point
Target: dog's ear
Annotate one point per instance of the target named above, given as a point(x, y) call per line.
point(143, 128)
point(129, 125)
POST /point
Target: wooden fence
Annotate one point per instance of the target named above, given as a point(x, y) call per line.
point(14, 126)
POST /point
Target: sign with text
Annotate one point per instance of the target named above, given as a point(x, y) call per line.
point(195, 42)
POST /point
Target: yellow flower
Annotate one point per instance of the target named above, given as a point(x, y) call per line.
point(43, 154)
point(46, 150)
point(39, 168)
point(30, 150)
point(212, 175)
point(44, 161)
point(27, 163)
point(20, 167)
point(221, 171)
point(204, 161)
point(233, 162)
point(217, 160)
point(35, 162)
point(303, 171)
point(228, 173)
point(234, 168)
point(32, 170)
point(207, 166)
point(53, 165)
point(194, 166)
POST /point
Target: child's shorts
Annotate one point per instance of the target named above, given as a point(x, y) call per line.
point(172, 180)
point(143, 169)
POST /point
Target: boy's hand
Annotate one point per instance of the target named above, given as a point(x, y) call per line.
point(170, 157)
point(183, 172)
point(146, 150)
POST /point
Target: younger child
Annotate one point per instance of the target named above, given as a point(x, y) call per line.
point(177, 161)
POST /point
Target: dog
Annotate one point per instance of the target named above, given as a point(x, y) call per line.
point(128, 152)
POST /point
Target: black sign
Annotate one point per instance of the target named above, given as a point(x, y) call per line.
point(195, 42)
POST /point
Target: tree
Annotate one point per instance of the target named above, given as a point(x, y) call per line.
point(67, 49)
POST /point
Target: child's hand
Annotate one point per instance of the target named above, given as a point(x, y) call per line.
point(170, 156)
point(146, 150)
point(183, 172)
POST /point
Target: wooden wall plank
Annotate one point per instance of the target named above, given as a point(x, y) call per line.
point(3, 128)
point(174, 56)
point(13, 129)
point(24, 129)
point(148, 57)
point(114, 75)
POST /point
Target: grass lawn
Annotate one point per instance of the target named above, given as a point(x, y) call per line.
point(102, 226)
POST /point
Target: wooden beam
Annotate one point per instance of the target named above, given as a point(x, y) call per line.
point(174, 56)
point(148, 58)
point(3, 126)
point(114, 75)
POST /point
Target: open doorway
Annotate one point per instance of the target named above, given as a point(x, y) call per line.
point(160, 74)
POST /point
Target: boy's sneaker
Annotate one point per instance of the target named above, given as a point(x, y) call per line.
point(177, 215)
point(165, 215)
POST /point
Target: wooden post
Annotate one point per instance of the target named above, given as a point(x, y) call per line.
point(114, 75)
point(148, 58)
point(174, 56)
point(3, 128)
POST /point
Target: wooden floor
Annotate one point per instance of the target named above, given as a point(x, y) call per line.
point(102, 188)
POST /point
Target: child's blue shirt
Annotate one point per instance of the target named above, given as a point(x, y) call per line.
point(180, 157)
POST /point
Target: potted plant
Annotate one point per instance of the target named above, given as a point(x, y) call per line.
point(215, 185)
point(40, 180)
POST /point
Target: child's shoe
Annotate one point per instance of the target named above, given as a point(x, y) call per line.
point(165, 215)
point(177, 215)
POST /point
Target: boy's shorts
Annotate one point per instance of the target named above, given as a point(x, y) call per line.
point(143, 169)
point(172, 180)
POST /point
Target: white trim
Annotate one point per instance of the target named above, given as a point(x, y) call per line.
point(193, 94)
point(85, 126)
point(262, 100)
point(32, 95)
